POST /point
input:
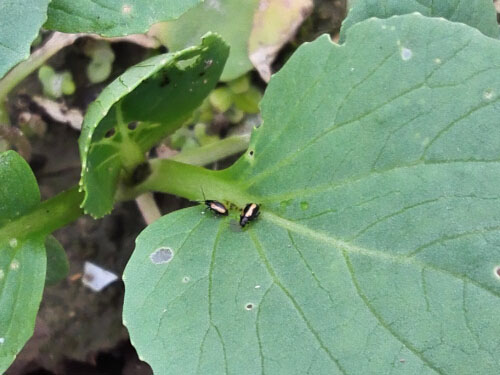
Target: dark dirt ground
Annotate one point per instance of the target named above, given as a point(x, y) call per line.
point(79, 331)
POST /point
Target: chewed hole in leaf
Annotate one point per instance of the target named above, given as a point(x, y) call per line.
point(249, 306)
point(497, 272)
point(162, 255)
point(164, 81)
point(186, 64)
point(406, 54)
point(132, 125)
point(186, 279)
point(251, 153)
point(111, 132)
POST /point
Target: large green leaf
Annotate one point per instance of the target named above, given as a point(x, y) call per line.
point(377, 251)
point(480, 14)
point(161, 92)
point(113, 17)
point(232, 19)
point(20, 21)
point(22, 260)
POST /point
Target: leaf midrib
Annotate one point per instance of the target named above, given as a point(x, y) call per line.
point(350, 248)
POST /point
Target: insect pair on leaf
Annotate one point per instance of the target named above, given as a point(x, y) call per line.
point(249, 213)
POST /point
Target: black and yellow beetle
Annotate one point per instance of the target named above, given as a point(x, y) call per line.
point(249, 213)
point(214, 206)
point(217, 207)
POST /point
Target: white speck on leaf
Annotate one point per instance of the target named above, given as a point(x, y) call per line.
point(437, 60)
point(489, 94)
point(215, 4)
point(13, 242)
point(2, 274)
point(162, 255)
point(14, 265)
point(2, 340)
point(257, 286)
point(406, 54)
point(126, 9)
point(97, 278)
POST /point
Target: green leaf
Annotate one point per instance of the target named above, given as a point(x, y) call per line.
point(378, 247)
point(232, 19)
point(161, 92)
point(113, 17)
point(20, 21)
point(480, 14)
point(57, 261)
point(22, 259)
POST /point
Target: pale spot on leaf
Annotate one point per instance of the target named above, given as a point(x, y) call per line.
point(162, 255)
point(406, 54)
point(126, 9)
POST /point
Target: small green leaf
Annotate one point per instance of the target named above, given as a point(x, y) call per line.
point(480, 14)
point(221, 99)
point(20, 21)
point(248, 101)
point(57, 261)
point(113, 17)
point(161, 92)
point(22, 260)
point(378, 247)
point(232, 19)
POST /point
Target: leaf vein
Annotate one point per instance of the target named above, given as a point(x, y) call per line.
point(382, 322)
point(277, 282)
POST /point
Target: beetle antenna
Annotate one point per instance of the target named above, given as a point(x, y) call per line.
point(202, 192)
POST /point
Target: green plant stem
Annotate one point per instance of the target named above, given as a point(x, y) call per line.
point(192, 182)
point(168, 176)
point(56, 42)
point(214, 151)
point(52, 214)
